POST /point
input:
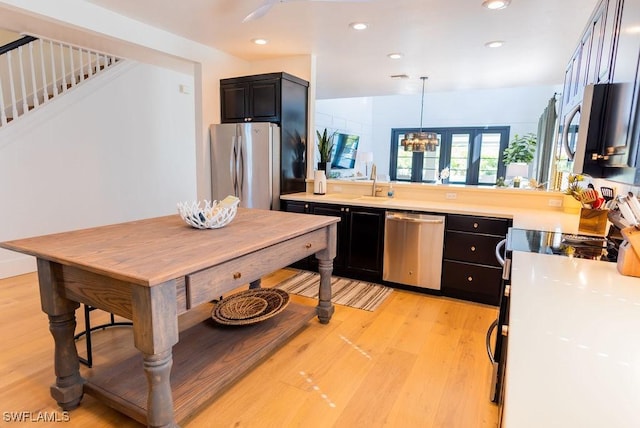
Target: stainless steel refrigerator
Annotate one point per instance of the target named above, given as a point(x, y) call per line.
point(245, 162)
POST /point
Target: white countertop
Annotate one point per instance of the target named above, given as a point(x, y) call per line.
point(573, 345)
point(546, 220)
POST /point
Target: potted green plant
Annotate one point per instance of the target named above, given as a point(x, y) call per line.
point(325, 146)
point(518, 155)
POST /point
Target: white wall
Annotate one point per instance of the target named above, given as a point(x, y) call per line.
point(119, 147)
point(519, 108)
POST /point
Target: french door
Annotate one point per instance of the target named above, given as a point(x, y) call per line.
point(473, 156)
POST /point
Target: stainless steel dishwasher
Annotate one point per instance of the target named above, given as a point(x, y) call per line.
point(413, 246)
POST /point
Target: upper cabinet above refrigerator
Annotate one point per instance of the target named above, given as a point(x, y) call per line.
point(278, 98)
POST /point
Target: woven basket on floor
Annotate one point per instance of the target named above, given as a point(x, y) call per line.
point(250, 306)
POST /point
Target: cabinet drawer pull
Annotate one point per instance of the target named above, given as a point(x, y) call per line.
point(473, 248)
point(237, 275)
point(475, 225)
point(470, 278)
point(307, 245)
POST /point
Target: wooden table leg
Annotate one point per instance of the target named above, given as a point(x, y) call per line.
point(155, 331)
point(157, 368)
point(325, 258)
point(325, 308)
point(68, 389)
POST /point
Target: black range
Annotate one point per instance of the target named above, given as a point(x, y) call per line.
point(562, 244)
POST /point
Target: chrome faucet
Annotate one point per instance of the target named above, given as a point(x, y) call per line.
point(374, 176)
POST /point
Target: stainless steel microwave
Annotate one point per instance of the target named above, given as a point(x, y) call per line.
point(597, 134)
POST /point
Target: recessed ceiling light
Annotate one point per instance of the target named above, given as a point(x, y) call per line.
point(494, 44)
point(260, 41)
point(358, 26)
point(496, 4)
point(395, 55)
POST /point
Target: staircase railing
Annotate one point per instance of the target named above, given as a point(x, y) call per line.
point(34, 70)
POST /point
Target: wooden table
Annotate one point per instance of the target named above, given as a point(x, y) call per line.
point(151, 271)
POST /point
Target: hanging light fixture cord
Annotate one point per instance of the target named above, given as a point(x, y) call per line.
point(424, 78)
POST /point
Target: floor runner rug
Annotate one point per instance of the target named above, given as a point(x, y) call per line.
point(344, 291)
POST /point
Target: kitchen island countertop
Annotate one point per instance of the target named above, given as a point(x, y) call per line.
point(574, 344)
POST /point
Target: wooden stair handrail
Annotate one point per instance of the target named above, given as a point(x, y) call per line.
point(16, 44)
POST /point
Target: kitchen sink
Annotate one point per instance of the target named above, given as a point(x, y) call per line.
point(377, 199)
point(361, 198)
point(343, 196)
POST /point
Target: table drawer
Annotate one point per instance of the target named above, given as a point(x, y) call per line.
point(471, 247)
point(211, 283)
point(473, 282)
point(488, 225)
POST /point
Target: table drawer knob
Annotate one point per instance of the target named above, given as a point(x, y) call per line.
point(475, 225)
point(469, 278)
point(473, 248)
point(237, 275)
point(307, 245)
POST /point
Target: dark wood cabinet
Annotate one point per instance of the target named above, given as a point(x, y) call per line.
point(299, 207)
point(591, 60)
point(277, 98)
point(295, 207)
point(470, 270)
point(256, 100)
point(364, 243)
point(336, 211)
point(360, 239)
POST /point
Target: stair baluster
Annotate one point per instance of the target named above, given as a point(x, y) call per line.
point(3, 115)
point(34, 87)
point(23, 86)
point(53, 70)
point(12, 87)
point(45, 91)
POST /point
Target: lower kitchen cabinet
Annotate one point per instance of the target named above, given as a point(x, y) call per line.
point(295, 206)
point(300, 208)
point(364, 245)
point(336, 211)
point(471, 281)
point(360, 239)
point(470, 270)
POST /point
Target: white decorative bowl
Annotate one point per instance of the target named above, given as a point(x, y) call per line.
point(212, 215)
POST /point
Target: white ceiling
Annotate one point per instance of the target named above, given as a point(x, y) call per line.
point(440, 39)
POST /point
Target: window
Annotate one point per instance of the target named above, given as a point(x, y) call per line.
point(473, 155)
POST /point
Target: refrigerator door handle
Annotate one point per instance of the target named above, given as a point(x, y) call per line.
point(240, 166)
point(233, 161)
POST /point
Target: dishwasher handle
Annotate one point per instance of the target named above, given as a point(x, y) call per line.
point(413, 219)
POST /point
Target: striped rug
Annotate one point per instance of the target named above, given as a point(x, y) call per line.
point(344, 291)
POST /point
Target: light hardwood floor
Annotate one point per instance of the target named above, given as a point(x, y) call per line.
point(417, 361)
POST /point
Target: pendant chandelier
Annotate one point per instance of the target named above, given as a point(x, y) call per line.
point(420, 141)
